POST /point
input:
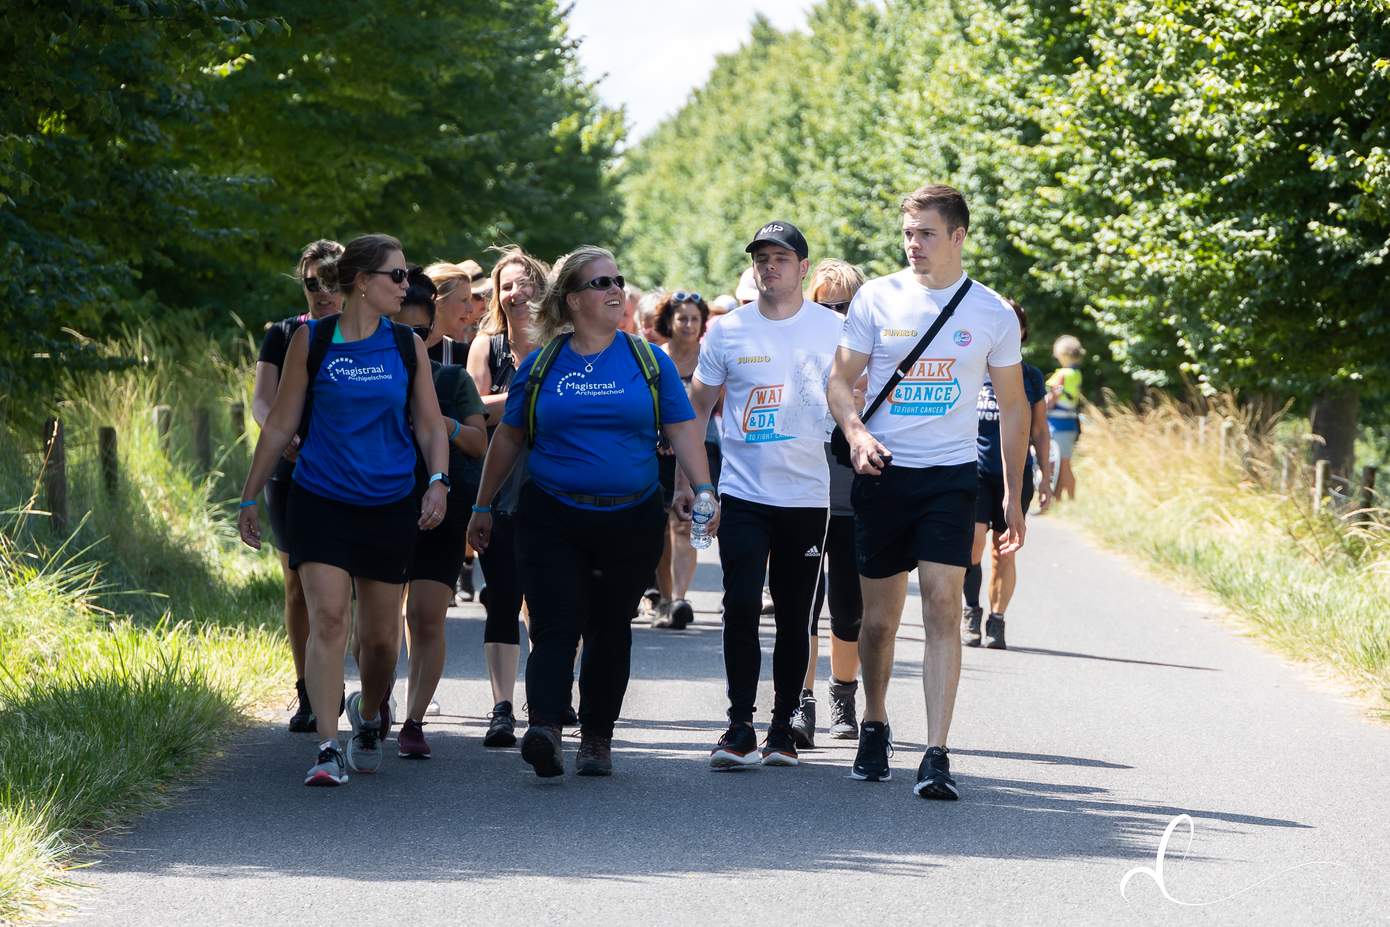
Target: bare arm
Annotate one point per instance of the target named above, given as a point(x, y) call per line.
point(478, 369)
point(263, 392)
point(279, 427)
point(688, 441)
point(472, 436)
point(703, 399)
point(1015, 418)
point(1041, 437)
point(866, 453)
point(502, 453)
point(431, 437)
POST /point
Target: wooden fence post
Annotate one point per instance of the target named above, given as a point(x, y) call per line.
point(161, 426)
point(1283, 473)
point(238, 419)
point(106, 443)
point(55, 474)
point(1202, 431)
point(1319, 485)
point(1226, 427)
point(202, 438)
point(1367, 497)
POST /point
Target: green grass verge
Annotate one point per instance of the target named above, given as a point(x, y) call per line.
point(129, 646)
point(1314, 586)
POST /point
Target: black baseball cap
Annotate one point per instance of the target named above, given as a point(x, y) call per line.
point(782, 233)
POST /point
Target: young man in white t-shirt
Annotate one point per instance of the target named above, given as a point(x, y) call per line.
point(915, 461)
point(774, 486)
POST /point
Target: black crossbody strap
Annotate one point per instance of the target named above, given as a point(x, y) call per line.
point(916, 351)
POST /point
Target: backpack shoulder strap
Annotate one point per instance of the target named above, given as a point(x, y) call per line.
point(405, 344)
point(320, 337)
point(544, 361)
point(651, 372)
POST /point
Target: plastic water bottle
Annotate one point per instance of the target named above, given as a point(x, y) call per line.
point(700, 515)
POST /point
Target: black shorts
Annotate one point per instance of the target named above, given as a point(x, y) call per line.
point(666, 467)
point(368, 541)
point(439, 551)
point(989, 501)
point(910, 514)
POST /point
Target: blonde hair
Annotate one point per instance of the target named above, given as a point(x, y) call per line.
point(1068, 350)
point(834, 272)
point(448, 277)
point(550, 316)
point(495, 319)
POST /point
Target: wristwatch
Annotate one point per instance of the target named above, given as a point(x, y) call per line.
point(441, 478)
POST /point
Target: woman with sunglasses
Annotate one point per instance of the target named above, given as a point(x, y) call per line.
point(321, 302)
point(504, 339)
point(353, 510)
point(439, 553)
point(680, 318)
point(589, 523)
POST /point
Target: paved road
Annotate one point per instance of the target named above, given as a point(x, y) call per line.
point(1120, 705)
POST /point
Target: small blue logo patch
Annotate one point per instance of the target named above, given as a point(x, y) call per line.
point(962, 337)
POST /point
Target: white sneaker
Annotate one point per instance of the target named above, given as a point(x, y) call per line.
point(433, 707)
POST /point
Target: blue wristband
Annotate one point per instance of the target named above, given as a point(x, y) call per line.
point(483, 509)
point(246, 503)
point(458, 426)
point(703, 486)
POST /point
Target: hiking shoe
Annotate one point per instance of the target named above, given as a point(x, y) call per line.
point(411, 743)
point(541, 748)
point(994, 632)
point(661, 617)
point(970, 626)
point(844, 717)
point(737, 748)
point(364, 747)
point(779, 747)
point(934, 776)
point(682, 614)
point(804, 721)
point(501, 726)
point(331, 768)
point(303, 720)
point(875, 746)
point(570, 718)
point(595, 756)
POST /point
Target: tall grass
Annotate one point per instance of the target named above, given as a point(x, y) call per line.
point(131, 643)
point(1240, 524)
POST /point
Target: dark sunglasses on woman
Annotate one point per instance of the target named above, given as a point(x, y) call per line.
point(602, 283)
point(841, 308)
point(312, 284)
point(397, 274)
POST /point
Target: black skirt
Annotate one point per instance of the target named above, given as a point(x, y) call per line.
point(368, 541)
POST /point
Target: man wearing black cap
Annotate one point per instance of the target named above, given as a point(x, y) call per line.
point(774, 486)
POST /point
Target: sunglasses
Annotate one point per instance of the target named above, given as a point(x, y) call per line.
point(841, 308)
point(681, 296)
point(397, 274)
point(312, 284)
point(602, 283)
point(423, 331)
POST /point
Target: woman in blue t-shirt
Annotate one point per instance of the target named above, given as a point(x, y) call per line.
point(352, 511)
point(590, 519)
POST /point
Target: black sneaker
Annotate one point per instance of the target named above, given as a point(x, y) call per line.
point(541, 748)
point(934, 776)
point(804, 721)
point(779, 749)
point(970, 626)
point(466, 592)
point(682, 614)
point(736, 749)
point(501, 726)
point(844, 717)
point(303, 720)
point(994, 632)
point(875, 747)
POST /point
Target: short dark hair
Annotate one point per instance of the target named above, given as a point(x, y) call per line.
point(364, 253)
point(1022, 319)
point(315, 253)
point(946, 200)
point(420, 291)
point(666, 311)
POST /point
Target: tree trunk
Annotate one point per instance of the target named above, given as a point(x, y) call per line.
point(1333, 418)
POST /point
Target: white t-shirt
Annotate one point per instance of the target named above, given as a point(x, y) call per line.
point(761, 363)
point(930, 419)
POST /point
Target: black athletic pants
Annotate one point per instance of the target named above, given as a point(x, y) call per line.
point(841, 573)
point(582, 572)
point(785, 544)
point(503, 583)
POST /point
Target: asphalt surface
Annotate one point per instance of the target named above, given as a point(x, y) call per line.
point(1120, 705)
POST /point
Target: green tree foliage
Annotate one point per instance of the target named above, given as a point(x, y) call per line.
point(1203, 188)
point(170, 158)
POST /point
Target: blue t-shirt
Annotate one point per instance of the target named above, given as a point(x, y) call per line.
point(594, 431)
point(360, 449)
point(987, 405)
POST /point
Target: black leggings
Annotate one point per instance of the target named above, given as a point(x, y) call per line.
point(784, 544)
point(583, 571)
point(842, 575)
point(503, 584)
